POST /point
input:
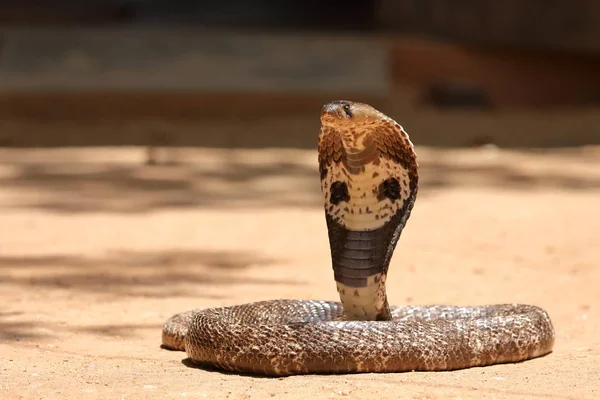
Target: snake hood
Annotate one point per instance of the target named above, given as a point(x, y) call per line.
point(369, 182)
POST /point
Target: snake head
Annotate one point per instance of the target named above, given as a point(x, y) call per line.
point(344, 113)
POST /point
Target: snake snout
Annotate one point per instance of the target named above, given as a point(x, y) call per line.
point(336, 110)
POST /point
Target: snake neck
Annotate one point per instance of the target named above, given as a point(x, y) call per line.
point(367, 303)
point(369, 183)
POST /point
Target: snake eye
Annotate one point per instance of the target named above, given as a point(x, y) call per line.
point(347, 110)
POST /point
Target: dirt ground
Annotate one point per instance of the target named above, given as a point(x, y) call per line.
point(97, 250)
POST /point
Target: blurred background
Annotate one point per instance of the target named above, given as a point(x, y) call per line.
point(233, 73)
point(149, 80)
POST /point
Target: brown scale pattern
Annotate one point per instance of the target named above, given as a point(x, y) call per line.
point(331, 150)
point(286, 337)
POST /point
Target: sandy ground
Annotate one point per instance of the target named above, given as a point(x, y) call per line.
point(98, 249)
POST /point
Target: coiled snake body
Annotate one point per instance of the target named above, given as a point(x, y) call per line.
point(369, 181)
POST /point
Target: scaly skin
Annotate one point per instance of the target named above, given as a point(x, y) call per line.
point(369, 182)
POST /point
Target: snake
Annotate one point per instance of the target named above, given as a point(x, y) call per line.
point(369, 178)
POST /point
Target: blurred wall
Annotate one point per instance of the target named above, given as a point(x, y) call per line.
point(233, 73)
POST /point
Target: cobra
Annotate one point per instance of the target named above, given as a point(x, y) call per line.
point(369, 182)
